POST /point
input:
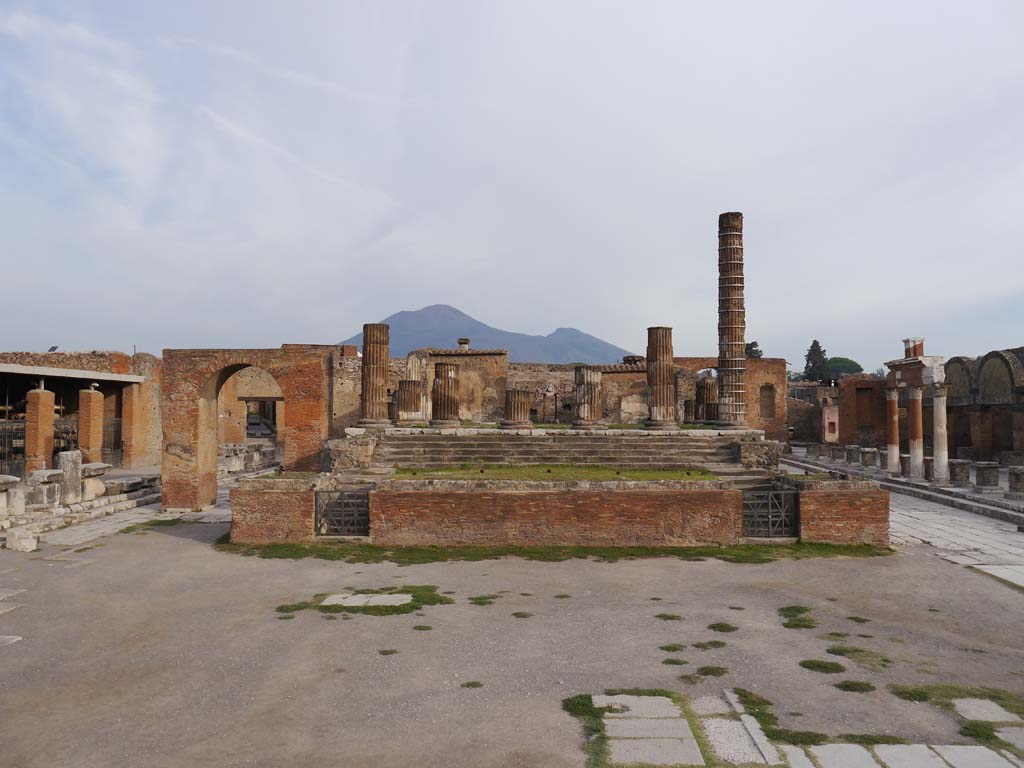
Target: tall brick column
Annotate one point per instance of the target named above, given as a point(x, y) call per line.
point(374, 396)
point(589, 410)
point(90, 425)
point(892, 430)
point(39, 430)
point(445, 396)
point(661, 379)
point(410, 402)
point(915, 432)
point(517, 410)
point(940, 442)
point(732, 323)
point(133, 426)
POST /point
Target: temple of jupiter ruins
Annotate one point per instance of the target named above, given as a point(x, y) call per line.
point(661, 379)
point(409, 400)
point(517, 410)
point(588, 397)
point(374, 398)
point(445, 396)
point(732, 358)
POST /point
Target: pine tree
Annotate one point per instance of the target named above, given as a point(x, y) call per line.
point(753, 349)
point(816, 366)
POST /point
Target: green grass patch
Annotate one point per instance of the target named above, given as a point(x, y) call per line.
point(858, 619)
point(295, 607)
point(761, 709)
point(551, 472)
point(672, 647)
point(855, 686)
point(835, 636)
point(484, 599)
point(942, 695)
point(288, 616)
point(870, 739)
point(721, 626)
point(563, 596)
point(674, 661)
point(865, 658)
point(595, 743)
point(423, 627)
point(639, 692)
point(668, 616)
point(979, 730)
point(522, 614)
point(712, 671)
point(797, 617)
point(422, 595)
point(387, 652)
point(825, 667)
point(161, 522)
point(472, 684)
point(709, 645)
point(352, 552)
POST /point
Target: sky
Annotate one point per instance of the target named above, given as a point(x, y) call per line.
point(247, 174)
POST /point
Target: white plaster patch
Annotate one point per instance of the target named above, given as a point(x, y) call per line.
point(8, 639)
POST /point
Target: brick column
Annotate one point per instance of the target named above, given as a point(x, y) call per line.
point(661, 379)
point(732, 322)
point(940, 445)
point(90, 425)
point(517, 410)
point(892, 415)
point(589, 403)
point(374, 395)
point(915, 432)
point(39, 430)
point(410, 402)
point(445, 396)
point(133, 427)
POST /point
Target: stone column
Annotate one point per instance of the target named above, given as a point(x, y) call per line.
point(732, 324)
point(940, 445)
point(589, 404)
point(892, 414)
point(70, 463)
point(1016, 490)
point(374, 395)
point(517, 410)
point(445, 396)
point(409, 400)
point(90, 425)
point(915, 432)
point(38, 430)
point(960, 472)
point(661, 379)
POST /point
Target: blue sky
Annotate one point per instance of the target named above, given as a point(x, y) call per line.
point(247, 173)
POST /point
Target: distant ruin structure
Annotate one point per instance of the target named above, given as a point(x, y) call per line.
point(444, 397)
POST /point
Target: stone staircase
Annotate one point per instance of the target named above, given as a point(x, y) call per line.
point(715, 452)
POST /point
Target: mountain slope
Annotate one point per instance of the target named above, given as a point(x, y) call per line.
point(441, 326)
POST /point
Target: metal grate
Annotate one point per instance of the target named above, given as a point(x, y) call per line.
point(769, 514)
point(343, 513)
point(65, 435)
point(112, 447)
point(12, 448)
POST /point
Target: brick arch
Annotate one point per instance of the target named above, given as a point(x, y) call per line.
point(191, 382)
point(999, 375)
point(960, 379)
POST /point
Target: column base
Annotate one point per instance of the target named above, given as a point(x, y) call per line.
point(515, 424)
point(1015, 496)
point(371, 423)
point(410, 422)
point(587, 425)
point(445, 423)
point(665, 426)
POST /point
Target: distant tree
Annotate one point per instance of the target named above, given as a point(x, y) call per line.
point(880, 373)
point(754, 350)
point(839, 366)
point(816, 365)
point(794, 376)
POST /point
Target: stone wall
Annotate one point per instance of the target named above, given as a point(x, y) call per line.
point(862, 414)
point(536, 377)
point(272, 511)
point(599, 514)
point(805, 419)
point(483, 376)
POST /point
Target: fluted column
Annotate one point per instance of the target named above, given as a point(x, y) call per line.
point(915, 431)
point(374, 395)
point(892, 430)
point(517, 410)
point(732, 323)
point(661, 379)
point(445, 396)
point(707, 399)
point(589, 401)
point(409, 400)
point(940, 445)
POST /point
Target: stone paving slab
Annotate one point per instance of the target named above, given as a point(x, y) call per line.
point(1011, 573)
point(909, 756)
point(711, 705)
point(730, 741)
point(1013, 735)
point(1013, 759)
point(357, 601)
point(5, 593)
point(796, 757)
point(648, 728)
point(983, 709)
point(764, 746)
point(972, 757)
point(843, 756)
point(655, 751)
point(638, 706)
point(8, 639)
point(8, 607)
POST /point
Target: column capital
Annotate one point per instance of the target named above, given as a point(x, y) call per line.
point(939, 390)
point(892, 393)
point(915, 393)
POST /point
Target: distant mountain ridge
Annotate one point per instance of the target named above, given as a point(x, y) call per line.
point(440, 326)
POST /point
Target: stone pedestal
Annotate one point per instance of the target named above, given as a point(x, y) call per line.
point(986, 476)
point(732, 324)
point(883, 459)
point(661, 379)
point(38, 430)
point(813, 451)
point(70, 464)
point(409, 403)
point(90, 425)
point(589, 399)
point(892, 430)
point(905, 464)
point(1016, 492)
point(869, 457)
point(445, 396)
point(940, 442)
point(915, 432)
point(374, 396)
point(837, 453)
point(960, 473)
point(929, 468)
point(852, 454)
point(517, 410)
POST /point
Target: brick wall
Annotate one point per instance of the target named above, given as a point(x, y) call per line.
point(805, 418)
point(271, 511)
point(90, 425)
point(862, 414)
point(859, 516)
point(560, 517)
